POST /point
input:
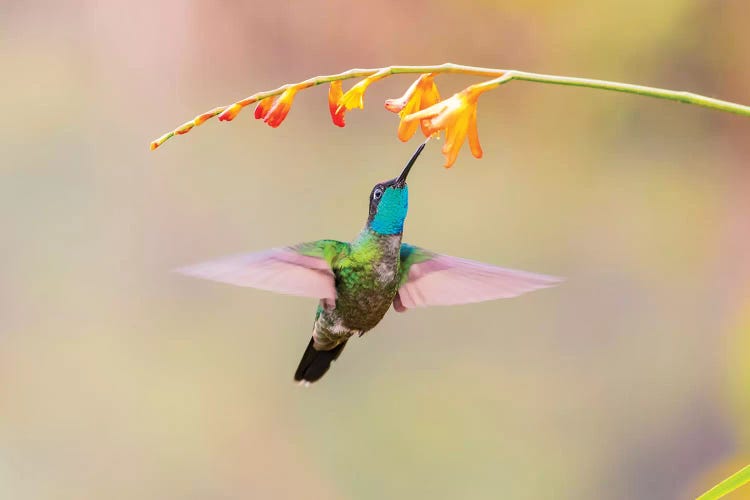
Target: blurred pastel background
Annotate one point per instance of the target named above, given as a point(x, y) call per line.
point(120, 379)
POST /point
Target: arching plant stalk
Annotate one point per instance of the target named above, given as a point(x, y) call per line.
point(456, 115)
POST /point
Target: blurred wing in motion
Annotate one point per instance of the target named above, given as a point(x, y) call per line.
point(304, 269)
point(432, 279)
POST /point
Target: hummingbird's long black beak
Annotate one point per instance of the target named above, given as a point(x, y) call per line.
point(401, 181)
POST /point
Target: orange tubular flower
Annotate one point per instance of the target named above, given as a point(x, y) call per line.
point(334, 95)
point(456, 115)
point(354, 97)
point(184, 128)
point(263, 107)
point(230, 113)
point(281, 107)
point(201, 119)
point(422, 94)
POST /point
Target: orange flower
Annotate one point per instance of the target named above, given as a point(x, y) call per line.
point(456, 115)
point(200, 119)
point(281, 107)
point(422, 94)
point(263, 107)
point(230, 113)
point(354, 97)
point(334, 95)
point(184, 128)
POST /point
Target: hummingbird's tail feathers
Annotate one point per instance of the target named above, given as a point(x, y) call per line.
point(315, 364)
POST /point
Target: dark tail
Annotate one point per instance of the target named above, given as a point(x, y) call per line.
point(315, 364)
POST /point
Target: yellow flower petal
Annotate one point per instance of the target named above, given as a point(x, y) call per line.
point(412, 93)
point(354, 97)
point(455, 136)
point(430, 97)
point(476, 149)
point(407, 129)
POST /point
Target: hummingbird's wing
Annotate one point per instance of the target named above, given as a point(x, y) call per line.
point(432, 279)
point(303, 269)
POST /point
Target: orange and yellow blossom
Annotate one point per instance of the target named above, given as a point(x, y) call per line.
point(354, 97)
point(334, 95)
point(281, 107)
point(230, 113)
point(422, 94)
point(201, 119)
point(263, 107)
point(456, 115)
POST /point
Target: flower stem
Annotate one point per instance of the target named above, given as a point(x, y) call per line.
point(727, 486)
point(500, 76)
point(673, 95)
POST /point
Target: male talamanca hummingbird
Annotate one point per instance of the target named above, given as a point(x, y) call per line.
point(358, 282)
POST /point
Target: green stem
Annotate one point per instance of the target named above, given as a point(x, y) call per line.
point(728, 485)
point(673, 95)
point(500, 76)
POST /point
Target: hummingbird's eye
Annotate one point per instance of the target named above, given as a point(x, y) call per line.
point(377, 193)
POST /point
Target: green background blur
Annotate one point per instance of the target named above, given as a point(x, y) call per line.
point(122, 380)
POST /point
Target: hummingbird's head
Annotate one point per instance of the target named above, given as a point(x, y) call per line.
point(389, 201)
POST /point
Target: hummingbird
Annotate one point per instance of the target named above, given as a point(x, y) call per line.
point(356, 283)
